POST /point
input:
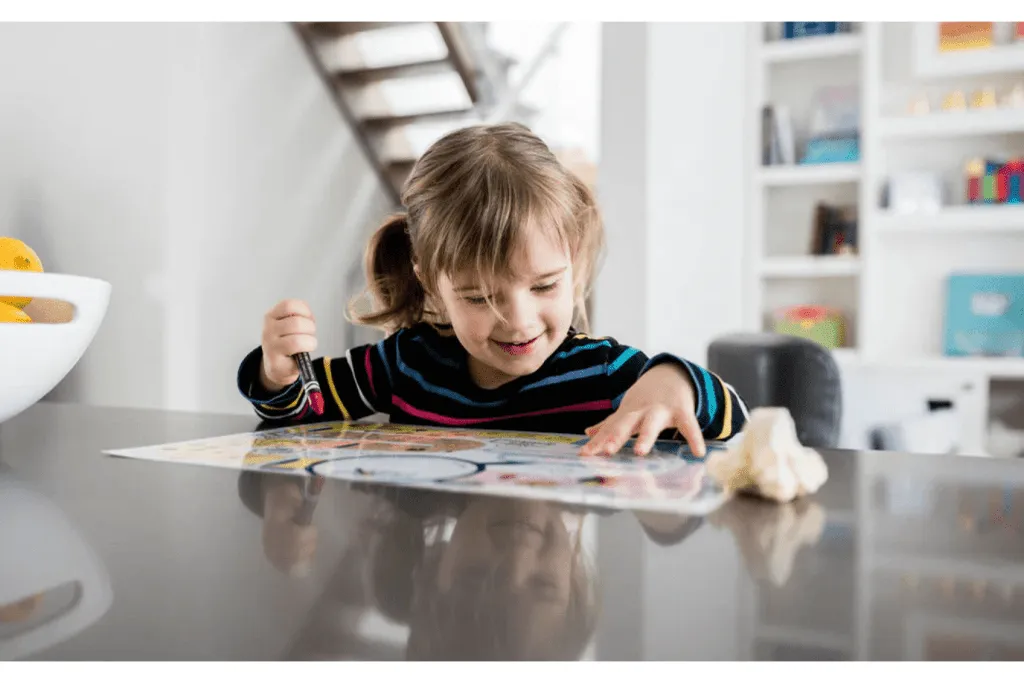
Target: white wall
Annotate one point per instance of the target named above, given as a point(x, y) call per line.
point(622, 291)
point(670, 182)
point(672, 146)
point(190, 165)
point(565, 90)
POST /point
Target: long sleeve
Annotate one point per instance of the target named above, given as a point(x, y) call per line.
point(720, 411)
point(354, 386)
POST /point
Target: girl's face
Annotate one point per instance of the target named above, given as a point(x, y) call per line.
point(524, 552)
point(537, 307)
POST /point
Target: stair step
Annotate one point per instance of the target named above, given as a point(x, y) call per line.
point(336, 29)
point(381, 123)
point(383, 73)
point(460, 57)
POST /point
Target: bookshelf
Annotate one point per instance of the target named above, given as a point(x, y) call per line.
point(892, 289)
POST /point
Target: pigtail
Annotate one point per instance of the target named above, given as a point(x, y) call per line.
point(397, 295)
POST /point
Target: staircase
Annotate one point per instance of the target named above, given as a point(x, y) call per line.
point(442, 76)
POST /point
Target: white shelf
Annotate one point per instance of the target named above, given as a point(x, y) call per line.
point(815, 47)
point(809, 174)
point(954, 123)
point(1000, 219)
point(1006, 368)
point(983, 61)
point(846, 356)
point(810, 266)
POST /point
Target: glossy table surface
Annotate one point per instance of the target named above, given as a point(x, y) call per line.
point(899, 556)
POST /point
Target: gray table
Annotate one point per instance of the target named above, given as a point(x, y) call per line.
point(897, 557)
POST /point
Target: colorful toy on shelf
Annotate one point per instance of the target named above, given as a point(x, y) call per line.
point(994, 182)
point(984, 98)
point(954, 101)
point(965, 35)
point(820, 324)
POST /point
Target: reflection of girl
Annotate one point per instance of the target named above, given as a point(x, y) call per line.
point(473, 577)
point(484, 577)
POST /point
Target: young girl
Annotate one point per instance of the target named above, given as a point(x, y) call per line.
point(481, 289)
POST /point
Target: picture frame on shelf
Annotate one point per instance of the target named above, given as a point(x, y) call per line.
point(835, 230)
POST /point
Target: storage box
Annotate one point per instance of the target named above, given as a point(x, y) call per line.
point(820, 324)
point(985, 314)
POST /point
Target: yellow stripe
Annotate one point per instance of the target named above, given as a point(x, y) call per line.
point(727, 423)
point(258, 459)
point(334, 392)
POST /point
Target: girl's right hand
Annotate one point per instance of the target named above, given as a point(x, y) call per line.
point(288, 328)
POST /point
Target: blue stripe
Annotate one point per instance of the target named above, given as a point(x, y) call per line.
point(617, 400)
point(623, 357)
point(434, 389)
point(434, 355)
point(704, 380)
point(709, 387)
point(566, 377)
point(584, 347)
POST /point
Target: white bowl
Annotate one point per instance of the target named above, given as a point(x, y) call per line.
point(48, 555)
point(34, 357)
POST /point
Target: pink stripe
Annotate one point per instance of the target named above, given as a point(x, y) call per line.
point(459, 421)
point(369, 371)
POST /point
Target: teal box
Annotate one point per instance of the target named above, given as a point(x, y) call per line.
point(985, 315)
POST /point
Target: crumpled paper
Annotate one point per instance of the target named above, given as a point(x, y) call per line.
point(767, 459)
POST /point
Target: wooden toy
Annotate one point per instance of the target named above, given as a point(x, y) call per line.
point(954, 101)
point(919, 105)
point(984, 98)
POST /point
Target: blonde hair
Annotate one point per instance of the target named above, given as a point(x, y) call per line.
point(469, 199)
point(475, 620)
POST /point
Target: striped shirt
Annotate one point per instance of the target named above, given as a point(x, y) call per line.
point(420, 376)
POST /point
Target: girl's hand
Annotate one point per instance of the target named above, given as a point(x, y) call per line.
point(288, 328)
point(662, 398)
point(289, 546)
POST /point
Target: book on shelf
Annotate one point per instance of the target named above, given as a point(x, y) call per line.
point(778, 139)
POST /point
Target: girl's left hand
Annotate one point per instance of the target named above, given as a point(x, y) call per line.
point(661, 399)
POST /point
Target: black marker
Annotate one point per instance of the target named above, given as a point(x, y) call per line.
point(316, 398)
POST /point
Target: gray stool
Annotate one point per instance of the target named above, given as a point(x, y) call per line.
point(777, 370)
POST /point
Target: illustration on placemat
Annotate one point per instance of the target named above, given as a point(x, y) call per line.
point(507, 463)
